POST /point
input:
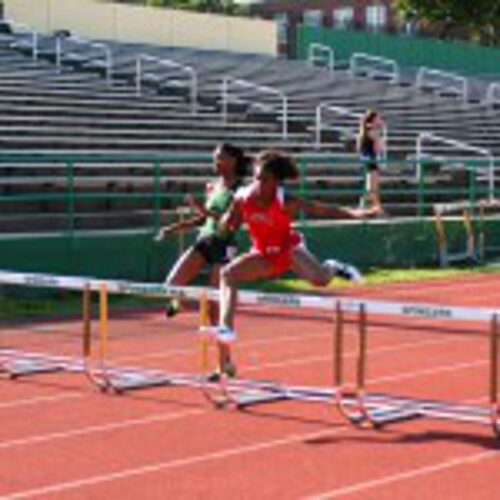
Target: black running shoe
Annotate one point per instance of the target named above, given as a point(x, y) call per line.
point(229, 370)
point(172, 308)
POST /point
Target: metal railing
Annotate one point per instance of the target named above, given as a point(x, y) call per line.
point(488, 163)
point(141, 191)
point(171, 65)
point(62, 41)
point(443, 81)
point(319, 53)
point(493, 94)
point(229, 83)
point(24, 29)
point(351, 131)
point(374, 66)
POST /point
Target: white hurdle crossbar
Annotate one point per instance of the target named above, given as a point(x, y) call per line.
point(292, 301)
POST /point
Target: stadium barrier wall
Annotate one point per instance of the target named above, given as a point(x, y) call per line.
point(462, 57)
point(135, 256)
point(129, 23)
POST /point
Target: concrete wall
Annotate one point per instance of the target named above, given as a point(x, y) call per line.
point(391, 244)
point(176, 28)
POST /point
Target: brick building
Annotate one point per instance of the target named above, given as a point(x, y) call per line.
point(376, 15)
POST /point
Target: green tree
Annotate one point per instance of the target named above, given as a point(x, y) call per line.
point(218, 6)
point(479, 19)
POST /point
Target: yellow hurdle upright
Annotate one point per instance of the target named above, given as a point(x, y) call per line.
point(204, 338)
point(103, 316)
point(86, 313)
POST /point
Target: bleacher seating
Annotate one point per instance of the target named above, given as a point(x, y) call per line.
point(74, 110)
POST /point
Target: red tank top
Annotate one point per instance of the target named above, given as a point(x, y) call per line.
point(269, 227)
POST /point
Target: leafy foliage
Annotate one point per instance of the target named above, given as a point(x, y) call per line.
point(215, 6)
point(478, 19)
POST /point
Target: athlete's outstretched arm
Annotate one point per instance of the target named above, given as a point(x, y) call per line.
point(295, 204)
point(179, 226)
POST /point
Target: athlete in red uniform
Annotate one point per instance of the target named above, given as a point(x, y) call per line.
point(276, 247)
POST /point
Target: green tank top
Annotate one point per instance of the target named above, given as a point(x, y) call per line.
point(218, 200)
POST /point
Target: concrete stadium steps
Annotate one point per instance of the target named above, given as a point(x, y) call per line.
point(32, 132)
point(140, 123)
point(73, 110)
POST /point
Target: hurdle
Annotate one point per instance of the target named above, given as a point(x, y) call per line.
point(359, 406)
point(18, 363)
point(381, 409)
point(226, 391)
point(469, 253)
point(120, 379)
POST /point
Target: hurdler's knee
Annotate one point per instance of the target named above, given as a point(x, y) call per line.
point(321, 281)
point(227, 275)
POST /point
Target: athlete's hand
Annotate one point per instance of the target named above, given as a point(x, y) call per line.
point(366, 213)
point(373, 211)
point(193, 203)
point(160, 235)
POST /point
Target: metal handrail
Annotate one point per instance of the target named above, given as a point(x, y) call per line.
point(81, 41)
point(319, 52)
point(24, 28)
point(359, 57)
point(341, 111)
point(76, 184)
point(460, 84)
point(228, 80)
point(460, 145)
point(169, 63)
point(493, 94)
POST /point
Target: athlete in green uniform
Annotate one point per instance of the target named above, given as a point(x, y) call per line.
point(211, 249)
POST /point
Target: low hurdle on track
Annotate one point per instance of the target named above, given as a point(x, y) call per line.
point(473, 219)
point(469, 251)
point(355, 402)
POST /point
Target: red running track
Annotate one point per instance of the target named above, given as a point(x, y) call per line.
point(61, 439)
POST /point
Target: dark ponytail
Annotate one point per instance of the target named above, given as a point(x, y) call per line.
point(367, 120)
point(242, 162)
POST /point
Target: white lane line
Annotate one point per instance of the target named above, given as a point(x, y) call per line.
point(433, 371)
point(47, 437)
point(351, 354)
point(39, 399)
point(169, 464)
point(409, 474)
point(113, 426)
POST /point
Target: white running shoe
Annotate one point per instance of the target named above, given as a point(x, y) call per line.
point(345, 271)
point(222, 333)
point(225, 334)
